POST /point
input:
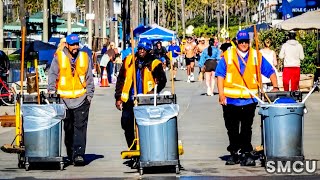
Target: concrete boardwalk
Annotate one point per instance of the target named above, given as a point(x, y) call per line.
point(201, 128)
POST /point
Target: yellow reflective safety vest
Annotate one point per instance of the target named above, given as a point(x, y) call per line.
point(147, 82)
point(72, 85)
point(233, 76)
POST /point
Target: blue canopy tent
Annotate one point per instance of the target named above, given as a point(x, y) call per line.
point(140, 29)
point(158, 33)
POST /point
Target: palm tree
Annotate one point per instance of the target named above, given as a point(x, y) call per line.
point(182, 19)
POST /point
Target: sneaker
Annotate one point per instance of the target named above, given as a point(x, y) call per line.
point(247, 160)
point(191, 77)
point(78, 161)
point(188, 79)
point(209, 92)
point(233, 159)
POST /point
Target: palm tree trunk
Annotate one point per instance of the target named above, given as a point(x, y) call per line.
point(218, 17)
point(135, 13)
point(205, 15)
point(163, 21)
point(182, 19)
point(112, 23)
point(176, 14)
point(96, 19)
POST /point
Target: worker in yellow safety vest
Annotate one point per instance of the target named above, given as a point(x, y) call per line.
point(70, 75)
point(149, 72)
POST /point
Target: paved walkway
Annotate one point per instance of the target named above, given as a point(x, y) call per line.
point(201, 128)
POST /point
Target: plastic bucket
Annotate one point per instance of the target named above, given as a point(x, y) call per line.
point(282, 130)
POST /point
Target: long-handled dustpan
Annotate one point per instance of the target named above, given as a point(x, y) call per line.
point(130, 153)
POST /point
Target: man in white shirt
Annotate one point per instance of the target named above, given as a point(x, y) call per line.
point(292, 53)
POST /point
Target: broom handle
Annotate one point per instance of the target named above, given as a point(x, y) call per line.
point(258, 63)
point(134, 64)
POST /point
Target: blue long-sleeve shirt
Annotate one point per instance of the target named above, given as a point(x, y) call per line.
point(221, 70)
point(205, 56)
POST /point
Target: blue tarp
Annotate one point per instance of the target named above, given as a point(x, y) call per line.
point(54, 41)
point(262, 26)
point(158, 33)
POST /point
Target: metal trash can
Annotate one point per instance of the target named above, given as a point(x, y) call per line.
point(283, 130)
point(158, 134)
point(42, 132)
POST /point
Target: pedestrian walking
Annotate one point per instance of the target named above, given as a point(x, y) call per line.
point(208, 63)
point(292, 53)
point(239, 66)
point(200, 47)
point(190, 56)
point(175, 50)
point(71, 65)
point(149, 71)
point(271, 57)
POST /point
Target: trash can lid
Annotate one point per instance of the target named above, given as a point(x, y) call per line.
point(284, 100)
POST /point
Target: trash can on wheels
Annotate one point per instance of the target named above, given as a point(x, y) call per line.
point(42, 133)
point(283, 130)
point(158, 133)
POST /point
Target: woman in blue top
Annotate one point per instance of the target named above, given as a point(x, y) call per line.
point(208, 63)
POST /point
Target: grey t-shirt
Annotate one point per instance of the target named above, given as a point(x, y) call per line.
point(71, 103)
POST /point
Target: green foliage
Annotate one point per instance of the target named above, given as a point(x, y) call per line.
point(14, 57)
point(309, 43)
point(307, 40)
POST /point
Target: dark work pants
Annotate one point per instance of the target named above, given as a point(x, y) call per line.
point(75, 128)
point(238, 121)
point(127, 122)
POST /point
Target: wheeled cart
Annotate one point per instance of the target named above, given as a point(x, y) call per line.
point(42, 130)
point(156, 118)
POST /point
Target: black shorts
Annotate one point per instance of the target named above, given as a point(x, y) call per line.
point(189, 60)
point(210, 65)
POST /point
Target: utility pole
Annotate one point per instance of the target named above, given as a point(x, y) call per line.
point(1, 24)
point(46, 18)
point(90, 26)
point(182, 19)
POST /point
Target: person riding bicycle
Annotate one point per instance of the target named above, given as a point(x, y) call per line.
point(4, 66)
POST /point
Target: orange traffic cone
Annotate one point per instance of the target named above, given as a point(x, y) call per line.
point(104, 81)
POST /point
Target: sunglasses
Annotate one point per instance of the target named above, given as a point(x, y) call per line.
point(74, 44)
point(243, 42)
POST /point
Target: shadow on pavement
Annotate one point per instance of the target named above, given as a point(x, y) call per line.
point(88, 158)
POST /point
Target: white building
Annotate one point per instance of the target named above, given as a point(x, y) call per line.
point(267, 11)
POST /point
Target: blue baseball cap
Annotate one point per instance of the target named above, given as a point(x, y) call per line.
point(72, 39)
point(243, 35)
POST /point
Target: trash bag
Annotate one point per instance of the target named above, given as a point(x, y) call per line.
point(153, 115)
point(38, 117)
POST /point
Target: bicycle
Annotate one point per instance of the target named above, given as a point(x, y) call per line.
point(6, 94)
